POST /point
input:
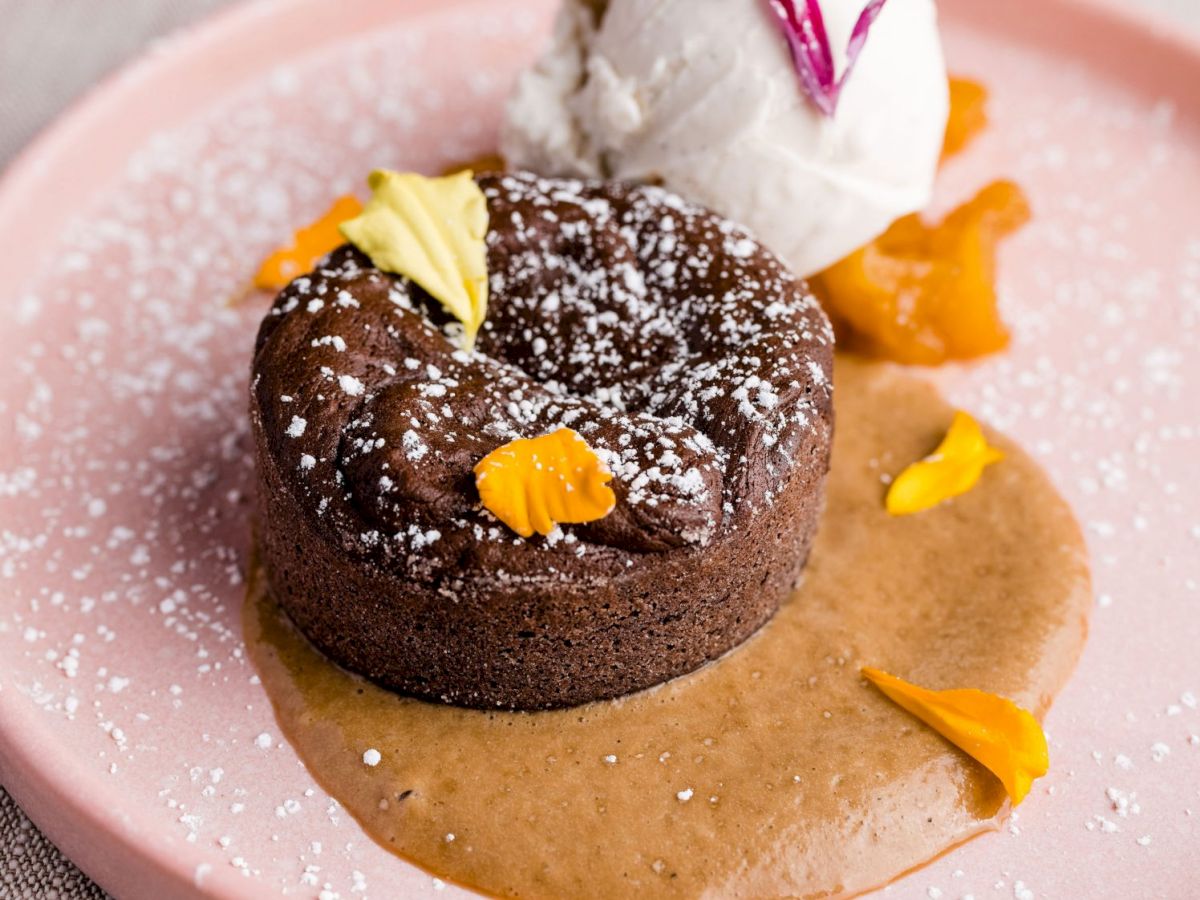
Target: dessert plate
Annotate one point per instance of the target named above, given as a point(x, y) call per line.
point(132, 726)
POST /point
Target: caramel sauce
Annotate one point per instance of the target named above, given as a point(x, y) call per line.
point(774, 772)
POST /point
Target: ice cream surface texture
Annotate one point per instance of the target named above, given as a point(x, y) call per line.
point(702, 96)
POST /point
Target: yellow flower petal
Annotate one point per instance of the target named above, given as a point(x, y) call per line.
point(432, 231)
point(309, 244)
point(531, 484)
point(1004, 738)
point(952, 469)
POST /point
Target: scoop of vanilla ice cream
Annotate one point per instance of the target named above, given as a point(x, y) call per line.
point(701, 95)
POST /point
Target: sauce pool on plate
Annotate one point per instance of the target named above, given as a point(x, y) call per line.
point(776, 771)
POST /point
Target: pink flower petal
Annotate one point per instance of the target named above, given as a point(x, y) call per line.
point(808, 43)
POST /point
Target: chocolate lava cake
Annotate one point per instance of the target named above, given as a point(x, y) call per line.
point(686, 354)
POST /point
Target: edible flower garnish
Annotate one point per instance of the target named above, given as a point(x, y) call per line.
point(432, 231)
point(803, 28)
point(309, 244)
point(532, 484)
point(968, 114)
point(1004, 738)
point(952, 469)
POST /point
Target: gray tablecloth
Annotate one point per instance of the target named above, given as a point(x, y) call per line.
point(31, 866)
point(50, 51)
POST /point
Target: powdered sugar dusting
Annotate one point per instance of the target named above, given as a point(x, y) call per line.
point(124, 382)
point(694, 372)
point(1102, 290)
point(125, 477)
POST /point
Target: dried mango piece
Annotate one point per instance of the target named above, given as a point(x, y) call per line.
point(952, 469)
point(309, 244)
point(926, 293)
point(968, 114)
point(1004, 738)
point(432, 231)
point(532, 484)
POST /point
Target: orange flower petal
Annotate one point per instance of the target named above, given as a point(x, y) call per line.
point(309, 244)
point(952, 469)
point(1004, 738)
point(532, 484)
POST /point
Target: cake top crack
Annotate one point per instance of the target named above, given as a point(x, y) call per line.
point(683, 351)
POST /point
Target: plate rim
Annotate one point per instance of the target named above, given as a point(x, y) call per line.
point(114, 856)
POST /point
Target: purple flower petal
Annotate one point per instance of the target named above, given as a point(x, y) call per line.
point(808, 43)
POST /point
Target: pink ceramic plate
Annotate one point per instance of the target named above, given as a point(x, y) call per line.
point(131, 724)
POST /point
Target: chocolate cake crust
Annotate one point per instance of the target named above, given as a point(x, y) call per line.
point(687, 356)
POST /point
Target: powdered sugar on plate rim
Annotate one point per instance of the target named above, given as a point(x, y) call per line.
point(122, 522)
